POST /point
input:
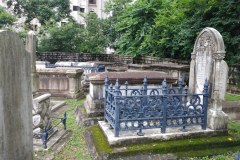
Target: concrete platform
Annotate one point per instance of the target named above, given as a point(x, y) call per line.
point(130, 137)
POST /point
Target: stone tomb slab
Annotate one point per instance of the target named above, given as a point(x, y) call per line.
point(130, 137)
point(132, 77)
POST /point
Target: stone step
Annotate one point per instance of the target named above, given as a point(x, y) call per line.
point(58, 142)
point(58, 105)
point(55, 137)
point(82, 117)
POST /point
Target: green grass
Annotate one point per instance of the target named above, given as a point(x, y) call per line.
point(232, 97)
point(76, 148)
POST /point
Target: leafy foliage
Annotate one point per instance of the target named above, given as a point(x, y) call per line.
point(6, 18)
point(61, 38)
point(43, 10)
point(168, 28)
point(73, 37)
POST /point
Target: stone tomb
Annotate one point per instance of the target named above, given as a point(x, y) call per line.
point(60, 82)
point(173, 69)
point(16, 137)
point(94, 104)
point(207, 63)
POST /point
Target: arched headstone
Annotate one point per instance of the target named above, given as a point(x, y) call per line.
point(207, 63)
point(16, 137)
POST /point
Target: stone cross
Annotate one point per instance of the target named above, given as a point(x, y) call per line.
point(16, 137)
point(207, 63)
point(31, 48)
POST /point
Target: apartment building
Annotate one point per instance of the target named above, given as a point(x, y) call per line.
point(82, 7)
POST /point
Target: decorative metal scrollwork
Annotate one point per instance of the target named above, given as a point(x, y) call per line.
point(146, 109)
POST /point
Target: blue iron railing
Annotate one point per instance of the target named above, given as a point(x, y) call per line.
point(87, 69)
point(45, 132)
point(147, 108)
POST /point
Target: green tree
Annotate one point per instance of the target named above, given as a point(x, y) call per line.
point(95, 39)
point(73, 37)
point(65, 38)
point(135, 27)
point(168, 28)
point(43, 10)
point(6, 18)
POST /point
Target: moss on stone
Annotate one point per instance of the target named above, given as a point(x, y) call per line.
point(191, 147)
point(100, 140)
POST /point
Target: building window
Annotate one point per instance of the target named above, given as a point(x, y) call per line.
point(82, 10)
point(76, 8)
point(92, 1)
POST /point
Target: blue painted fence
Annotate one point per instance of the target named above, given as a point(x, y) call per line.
point(147, 108)
point(87, 69)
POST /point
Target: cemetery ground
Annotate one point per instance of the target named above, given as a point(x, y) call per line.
point(223, 147)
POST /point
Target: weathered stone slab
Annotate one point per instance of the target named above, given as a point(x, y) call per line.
point(16, 137)
point(132, 77)
point(130, 137)
point(208, 64)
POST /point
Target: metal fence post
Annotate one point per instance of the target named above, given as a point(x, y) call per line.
point(185, 109)
point(164, 107)
point(205, 104)
point(180, 88)
point(44, 137)
point(144, 104)
point(116, 97)
point(126, 88)
point(106, 84)
point(64, 120)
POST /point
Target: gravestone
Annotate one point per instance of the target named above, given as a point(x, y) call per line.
point(31, 48)
point(16, 137)
point(207, 63)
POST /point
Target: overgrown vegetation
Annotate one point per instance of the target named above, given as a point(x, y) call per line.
point(43, 10)
point(6, 18)
point(75, 149)
point(168, 28)
point(73, 37)
point(163, 28)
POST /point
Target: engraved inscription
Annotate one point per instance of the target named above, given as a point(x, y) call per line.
point(204, 51)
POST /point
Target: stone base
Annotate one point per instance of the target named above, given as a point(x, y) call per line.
point(217, 120)
point(94, 108)
point(130, 137)
point(82, 117)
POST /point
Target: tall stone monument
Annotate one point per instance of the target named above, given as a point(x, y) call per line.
point(207, 63)
point(16, 138)
point(31, 48)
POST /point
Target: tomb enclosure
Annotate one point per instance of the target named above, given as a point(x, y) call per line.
point(94, 104)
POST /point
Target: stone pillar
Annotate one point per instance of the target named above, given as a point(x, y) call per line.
point(31, 48)
point(217, 119)
point(74, 81)
point(16, 137)
point(192, 72)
